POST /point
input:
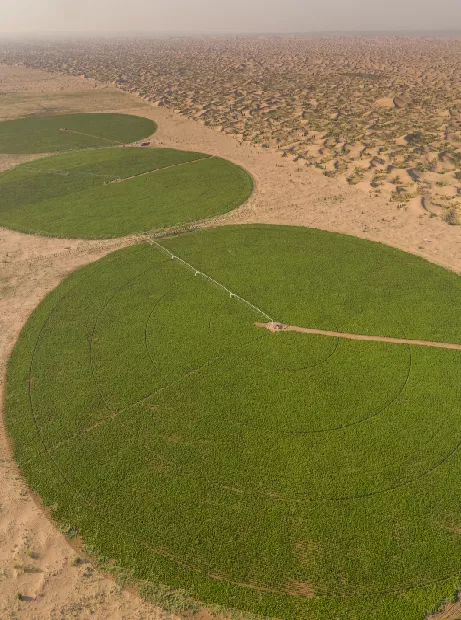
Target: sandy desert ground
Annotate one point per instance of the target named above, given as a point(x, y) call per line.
point(35, 559)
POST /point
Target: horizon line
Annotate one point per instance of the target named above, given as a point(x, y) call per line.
point(192, 33)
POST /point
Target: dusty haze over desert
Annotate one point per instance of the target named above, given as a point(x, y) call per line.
point(226, 16)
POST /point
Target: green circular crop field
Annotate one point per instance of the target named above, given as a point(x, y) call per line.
point(46, 134)
point(117, 191)
point(292, 475)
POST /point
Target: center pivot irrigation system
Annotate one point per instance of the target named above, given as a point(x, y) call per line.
point(197, 272)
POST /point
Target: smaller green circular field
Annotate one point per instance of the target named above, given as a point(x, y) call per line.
point(46, 134)
point(106, 193)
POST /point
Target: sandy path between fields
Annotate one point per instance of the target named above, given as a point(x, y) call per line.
point(281, 327)
point(31, 266)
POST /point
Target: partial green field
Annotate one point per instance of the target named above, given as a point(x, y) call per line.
point(113, 192)
point(49, 134)
point(291, 475)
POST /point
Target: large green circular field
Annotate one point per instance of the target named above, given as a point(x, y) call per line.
point(292, 475)
point(46, 134)
point(117, 191)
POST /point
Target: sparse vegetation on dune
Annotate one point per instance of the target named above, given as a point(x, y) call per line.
point(45, 134)
point(112, 192)
point(291, 475)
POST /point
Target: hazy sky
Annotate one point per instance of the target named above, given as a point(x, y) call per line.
point(228, 15)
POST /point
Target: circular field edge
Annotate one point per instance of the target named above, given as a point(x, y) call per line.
point(247, 191)
point(415, 586)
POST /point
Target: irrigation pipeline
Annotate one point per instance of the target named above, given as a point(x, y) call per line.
point(90, 135)
point(231, 294)
point(66, 173)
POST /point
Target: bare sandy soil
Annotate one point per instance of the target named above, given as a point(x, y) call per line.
point(35, 559)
